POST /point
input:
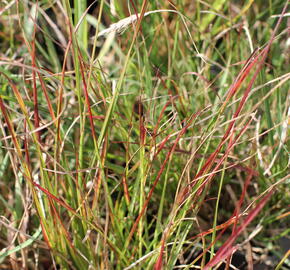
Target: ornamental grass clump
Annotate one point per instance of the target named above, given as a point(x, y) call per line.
point(144, 135)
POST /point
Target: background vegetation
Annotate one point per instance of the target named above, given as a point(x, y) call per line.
point(159, 142)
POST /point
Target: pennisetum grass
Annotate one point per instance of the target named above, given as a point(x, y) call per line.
point(144, 134)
